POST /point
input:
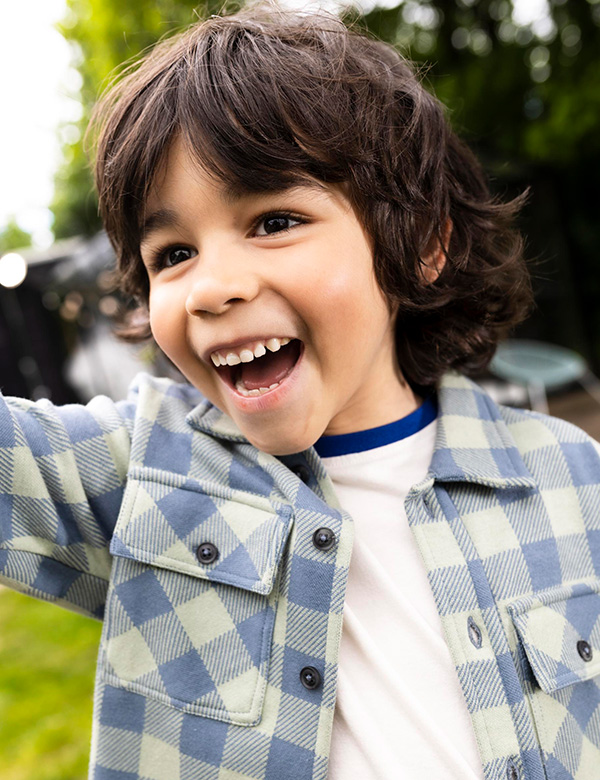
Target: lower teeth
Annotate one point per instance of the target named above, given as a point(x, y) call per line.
point(240, 387)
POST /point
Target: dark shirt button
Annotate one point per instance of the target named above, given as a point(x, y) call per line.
point(585, 650)
point(474, 632)
point(302, 472)
point(324, 538)
point(512, 771)
point(207, 552)
point(310, 678)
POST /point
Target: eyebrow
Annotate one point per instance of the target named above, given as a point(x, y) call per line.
point(158, 219)
point(167, 218)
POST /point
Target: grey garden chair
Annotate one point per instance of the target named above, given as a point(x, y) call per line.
point(540, 368)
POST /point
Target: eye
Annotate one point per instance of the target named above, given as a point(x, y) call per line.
point(276, 223)
point(177, 255)
point(171, 256)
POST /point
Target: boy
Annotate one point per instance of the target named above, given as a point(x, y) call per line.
point(315, 250)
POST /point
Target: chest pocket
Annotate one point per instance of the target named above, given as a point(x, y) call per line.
point(559, 633)
point(191, 605)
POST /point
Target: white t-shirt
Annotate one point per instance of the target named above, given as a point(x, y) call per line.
point(400, 711)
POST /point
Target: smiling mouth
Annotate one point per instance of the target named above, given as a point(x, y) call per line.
point(264, 373)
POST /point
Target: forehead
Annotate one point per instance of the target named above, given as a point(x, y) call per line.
point(183, 177)
point(182, 165)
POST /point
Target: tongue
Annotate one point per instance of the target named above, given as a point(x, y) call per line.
point(268, 370)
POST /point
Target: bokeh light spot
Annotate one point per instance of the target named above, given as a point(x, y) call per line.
point(13, 270)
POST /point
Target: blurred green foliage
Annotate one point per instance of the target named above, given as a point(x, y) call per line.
point(47, 659)
point(13, 237)
point(530, 92)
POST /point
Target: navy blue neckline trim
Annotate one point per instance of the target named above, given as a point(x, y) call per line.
point(347, 443)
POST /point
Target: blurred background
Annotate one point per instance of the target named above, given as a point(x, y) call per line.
point(521, 81)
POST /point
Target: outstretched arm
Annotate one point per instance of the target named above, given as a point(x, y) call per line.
point(62, 474)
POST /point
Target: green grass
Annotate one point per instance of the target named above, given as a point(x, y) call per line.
point(47, 665)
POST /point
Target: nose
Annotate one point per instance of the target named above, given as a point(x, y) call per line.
point(221, 277)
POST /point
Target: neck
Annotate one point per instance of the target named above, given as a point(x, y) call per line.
point(386, 398)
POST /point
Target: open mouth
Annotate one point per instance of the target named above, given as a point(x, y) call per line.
point(264, 373)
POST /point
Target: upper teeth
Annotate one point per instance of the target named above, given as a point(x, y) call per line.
point(246, 354)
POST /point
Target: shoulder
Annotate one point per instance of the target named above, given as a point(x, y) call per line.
point(464, 398)
point(533, 429)
point(551, 445)
point(476, 428)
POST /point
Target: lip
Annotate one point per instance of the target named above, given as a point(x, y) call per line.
point(238, 343)
point(270, 399)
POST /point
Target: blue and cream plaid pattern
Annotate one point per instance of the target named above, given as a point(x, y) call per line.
point(104, 509)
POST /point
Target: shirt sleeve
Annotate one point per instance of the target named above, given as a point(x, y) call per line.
point(62, 475)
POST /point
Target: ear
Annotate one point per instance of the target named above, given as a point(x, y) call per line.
point(433, 262)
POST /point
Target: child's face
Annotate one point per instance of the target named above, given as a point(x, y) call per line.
point(229, 274)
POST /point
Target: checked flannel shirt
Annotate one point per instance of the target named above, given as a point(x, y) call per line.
point(103, 510)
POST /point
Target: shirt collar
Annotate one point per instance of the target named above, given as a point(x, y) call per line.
point(473, 443)
point(209, 419)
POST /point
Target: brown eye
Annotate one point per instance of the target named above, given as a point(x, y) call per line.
point(176, 255)
point(276, 223)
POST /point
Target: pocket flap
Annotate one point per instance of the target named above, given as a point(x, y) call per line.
point(554, 626)
point(165, 518)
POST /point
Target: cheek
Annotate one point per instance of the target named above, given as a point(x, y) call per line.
point(335, 271)
point(163, 323)
point(349, 298)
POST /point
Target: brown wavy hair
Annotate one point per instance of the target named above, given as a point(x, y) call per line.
point(267, 99)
